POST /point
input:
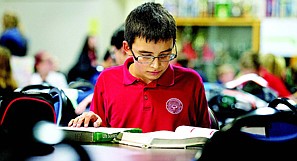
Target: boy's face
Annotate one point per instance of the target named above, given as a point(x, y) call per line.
point(154, 70)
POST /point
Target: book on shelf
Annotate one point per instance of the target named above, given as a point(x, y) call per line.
point(94, 135)
point(182, 137)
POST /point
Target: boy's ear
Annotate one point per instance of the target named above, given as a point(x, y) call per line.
point(126, 47)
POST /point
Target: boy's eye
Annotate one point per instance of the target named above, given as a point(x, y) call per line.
point(163, 55)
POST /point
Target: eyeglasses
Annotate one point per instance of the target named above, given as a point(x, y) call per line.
point(148, 59)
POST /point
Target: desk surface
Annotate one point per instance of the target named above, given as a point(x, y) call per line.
point(129, 153)
point(114, 152)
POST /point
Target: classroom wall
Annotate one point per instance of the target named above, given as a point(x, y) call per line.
point(60, 26)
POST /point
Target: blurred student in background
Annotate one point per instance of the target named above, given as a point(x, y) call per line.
point(116, 43)
point(250, 62)
point(291, 75)
point(14, 39)
point(225, 73)
point(46, 71)
point(275, 65)
point(278, 66)
point(119, 55)
point(108, 61)
point(7, 81)
point(85, 67)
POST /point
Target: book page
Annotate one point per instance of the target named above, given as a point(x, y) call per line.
point(162, 139)
point(192, 131)
point(147, 137)
point(163, 134)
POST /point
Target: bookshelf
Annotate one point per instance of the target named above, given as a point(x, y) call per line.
point(227, 39)
point(253, 23)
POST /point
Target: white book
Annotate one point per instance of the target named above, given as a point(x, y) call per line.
point(182, 137)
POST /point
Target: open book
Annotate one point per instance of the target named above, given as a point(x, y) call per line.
point(92, 134)
point(182, 137)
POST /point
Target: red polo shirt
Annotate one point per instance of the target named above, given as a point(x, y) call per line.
point(176, 98)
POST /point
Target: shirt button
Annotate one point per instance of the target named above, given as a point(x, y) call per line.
point(145, 97)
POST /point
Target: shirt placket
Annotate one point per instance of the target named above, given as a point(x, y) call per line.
point(147, 100)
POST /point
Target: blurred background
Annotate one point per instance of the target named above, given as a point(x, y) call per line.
point(210, 32)
point(60, 26)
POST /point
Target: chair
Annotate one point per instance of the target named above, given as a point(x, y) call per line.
point(213, 119)
point(232, 143)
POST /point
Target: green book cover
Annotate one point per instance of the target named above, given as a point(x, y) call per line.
point(94, 135)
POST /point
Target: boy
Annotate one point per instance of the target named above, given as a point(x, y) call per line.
point(147, 92)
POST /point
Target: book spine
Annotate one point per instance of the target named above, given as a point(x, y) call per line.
point(79, 136)
point(91, 136)
point(103, 137)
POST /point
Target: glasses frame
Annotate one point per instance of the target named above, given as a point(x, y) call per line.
point(172, 56)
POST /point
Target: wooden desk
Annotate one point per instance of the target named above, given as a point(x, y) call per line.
point(117, 152)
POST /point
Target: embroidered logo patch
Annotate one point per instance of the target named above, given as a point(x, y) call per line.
point(174, 106)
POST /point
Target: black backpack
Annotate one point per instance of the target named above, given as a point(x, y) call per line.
point(64, 109)
point(20, 111)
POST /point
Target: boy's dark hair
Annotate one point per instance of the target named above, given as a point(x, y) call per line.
point(118, 37)
point(150, 21)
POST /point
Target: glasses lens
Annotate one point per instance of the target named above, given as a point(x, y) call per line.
point(145, 59)
point(172, 56)
point(165, 58)
point(150, 59)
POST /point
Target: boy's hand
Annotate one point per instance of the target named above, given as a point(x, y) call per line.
point(85, 118)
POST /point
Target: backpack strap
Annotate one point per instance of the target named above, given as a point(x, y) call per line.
point(284, 101)
point(62, 102)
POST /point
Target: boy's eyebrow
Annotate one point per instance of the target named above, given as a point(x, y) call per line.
point(144, 51)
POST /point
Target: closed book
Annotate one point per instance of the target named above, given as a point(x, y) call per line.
point(182, 137)
point(94, 135)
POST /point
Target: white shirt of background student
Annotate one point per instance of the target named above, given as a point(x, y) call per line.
point(46, 71)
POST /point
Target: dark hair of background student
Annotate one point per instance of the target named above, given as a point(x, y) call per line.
point(85, 67)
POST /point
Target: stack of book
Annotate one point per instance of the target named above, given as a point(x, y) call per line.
point(182, 137)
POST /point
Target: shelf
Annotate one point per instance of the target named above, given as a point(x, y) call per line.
point(226, 37)
point(207, 21)
point(225, 22)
